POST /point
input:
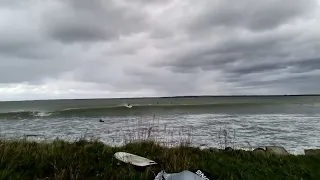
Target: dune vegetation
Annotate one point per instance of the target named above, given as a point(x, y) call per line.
point(21, 159)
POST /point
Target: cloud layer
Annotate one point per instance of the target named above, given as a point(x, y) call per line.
point(122, 48)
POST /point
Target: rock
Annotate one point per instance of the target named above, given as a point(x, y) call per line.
point(228, 149)
point(211, 149)
point(278, 150)
point(33, 135)
point(214, 150)
point(259, 150)
point(311, 152)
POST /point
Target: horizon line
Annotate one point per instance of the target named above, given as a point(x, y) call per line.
point(166, 97)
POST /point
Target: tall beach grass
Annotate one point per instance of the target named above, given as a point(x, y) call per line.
point(34, 157)
point(94, 160)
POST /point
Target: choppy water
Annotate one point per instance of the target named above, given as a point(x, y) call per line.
point(289, 121)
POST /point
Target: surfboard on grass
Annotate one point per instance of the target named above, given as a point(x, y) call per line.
point(133, 159)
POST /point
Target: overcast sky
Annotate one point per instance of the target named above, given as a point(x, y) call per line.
point(132, 48)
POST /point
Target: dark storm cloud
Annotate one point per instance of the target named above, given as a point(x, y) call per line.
point(306, 65)
point(243, 51)
point(96, 20)
point(147, 2)
point(26, 49)
point(28, 55)
point(24, 55)
point(251, 14)
point(164, 81)
point(8, 4)
point(20, 70)
point(81, 48)
point(31, 61)
point(294, 67)
point(236, 54)
point(303, 83)
point(257, 68)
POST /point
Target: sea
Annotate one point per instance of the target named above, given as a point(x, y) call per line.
point(246, 122)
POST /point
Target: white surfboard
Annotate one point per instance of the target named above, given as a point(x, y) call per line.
point(133, 159)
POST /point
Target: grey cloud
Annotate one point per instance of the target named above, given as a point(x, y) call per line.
point(33, 61)
point(303, 83)
point(21, 70)
point(306, 65)
point(27, 49)
point(140, 46)
point(86, 21)
point(185, 70)
point(251, 14)
point(294, 67)
point(227, 51)
point(77, 31)
point(162, 81)
point(144, 2)
point(257, 68)
point(138, 78)
point(26, 56)
point(9, 4)
point(242, 59)
point(253, 53)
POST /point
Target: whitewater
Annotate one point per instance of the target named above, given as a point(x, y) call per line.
point(246, 122)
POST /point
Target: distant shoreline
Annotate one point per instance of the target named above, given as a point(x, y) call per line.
point(172, 97)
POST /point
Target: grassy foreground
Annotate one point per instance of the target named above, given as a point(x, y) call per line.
point(94, 160)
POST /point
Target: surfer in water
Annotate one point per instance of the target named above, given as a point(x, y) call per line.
point(101, 120)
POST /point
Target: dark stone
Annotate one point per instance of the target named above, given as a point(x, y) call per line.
point(259, 150)
point(310, 152)
point(33, 135)
point(278, 150)
point(214, 150)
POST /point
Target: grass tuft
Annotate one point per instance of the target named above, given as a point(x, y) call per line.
point(94, 160)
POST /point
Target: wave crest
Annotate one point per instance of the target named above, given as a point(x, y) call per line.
point(129, 109)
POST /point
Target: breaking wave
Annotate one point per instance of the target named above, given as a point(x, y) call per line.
point(141, 109)
point(118, 110)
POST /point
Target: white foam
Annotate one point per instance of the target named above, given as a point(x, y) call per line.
point(42, 114)
point(294, 132)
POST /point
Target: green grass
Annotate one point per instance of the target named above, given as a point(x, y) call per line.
point(94, 160)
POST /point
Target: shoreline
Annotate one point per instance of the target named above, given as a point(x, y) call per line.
point(30, 138)
point(44, 140)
